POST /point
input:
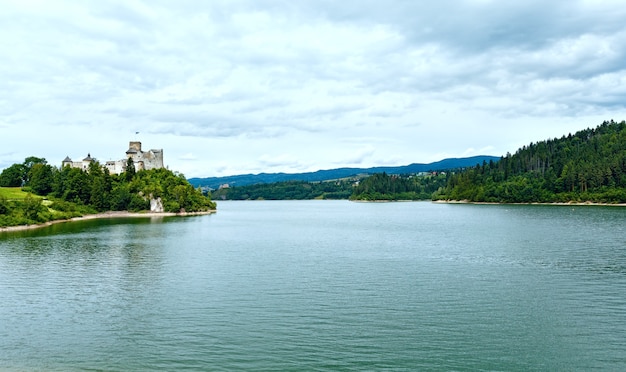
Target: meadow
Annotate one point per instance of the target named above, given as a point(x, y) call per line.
point(13, 193)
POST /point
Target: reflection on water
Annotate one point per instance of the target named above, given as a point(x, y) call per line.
point(320, 285)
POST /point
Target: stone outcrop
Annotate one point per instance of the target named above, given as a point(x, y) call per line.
point(156, 205)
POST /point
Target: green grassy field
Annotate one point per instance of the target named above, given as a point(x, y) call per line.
point(13, 193)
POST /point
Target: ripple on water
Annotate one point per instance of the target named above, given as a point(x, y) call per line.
point(321, 285)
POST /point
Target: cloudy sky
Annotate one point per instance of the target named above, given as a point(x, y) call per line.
point(233, 87)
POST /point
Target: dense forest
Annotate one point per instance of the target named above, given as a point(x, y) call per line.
point(337, 174)
point(587, 166)
point(68, 192)
point(290, 190)
point(379, 186)
point(382, 186)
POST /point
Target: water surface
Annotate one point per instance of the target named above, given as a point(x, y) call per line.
point(320, 285)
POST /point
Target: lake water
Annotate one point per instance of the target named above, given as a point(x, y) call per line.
point(320, 285)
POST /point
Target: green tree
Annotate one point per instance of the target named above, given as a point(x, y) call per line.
point(120, 197)
point(130, 170)
point(28, 164)
point(587, 166)
point(73, 185)
point(99, 197)
point(41, 178)
point(12, 176)
point(32, 207)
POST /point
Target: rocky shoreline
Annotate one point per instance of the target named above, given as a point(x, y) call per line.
point(111, 214)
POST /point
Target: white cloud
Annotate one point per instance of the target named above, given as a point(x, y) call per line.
point(255, 86)
point(357, 156)
point(188, 156)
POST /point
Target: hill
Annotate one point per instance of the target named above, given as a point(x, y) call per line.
point(589, 166)
point(288, 190)
point(50, 193)
point(339, 173)
point(383, 187)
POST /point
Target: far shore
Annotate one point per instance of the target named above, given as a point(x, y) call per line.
point(110, 214)
point(533, 203)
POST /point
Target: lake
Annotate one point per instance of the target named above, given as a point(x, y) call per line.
point(320, 285)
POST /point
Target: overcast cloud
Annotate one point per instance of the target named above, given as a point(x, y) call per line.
point(232, 87)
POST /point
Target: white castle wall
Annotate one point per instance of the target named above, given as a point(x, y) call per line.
point(152, 159)
point(115, 167)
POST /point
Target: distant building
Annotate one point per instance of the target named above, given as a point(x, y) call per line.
point(84, 165)
point(151, 159)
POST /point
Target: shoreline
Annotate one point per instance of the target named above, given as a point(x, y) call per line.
point(110, 214)
point(574, 204)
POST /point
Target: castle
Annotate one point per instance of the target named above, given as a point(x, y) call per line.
point(152, 159)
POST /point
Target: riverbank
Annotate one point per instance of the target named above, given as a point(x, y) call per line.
point(552, 203)
point(110, 214)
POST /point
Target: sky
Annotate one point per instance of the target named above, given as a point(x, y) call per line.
point(236, 87)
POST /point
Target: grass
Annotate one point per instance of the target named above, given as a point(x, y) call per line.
point(19, 207)
point(14, 193)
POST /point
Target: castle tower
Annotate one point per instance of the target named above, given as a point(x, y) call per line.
point(67, 162)
point(133, 148)
point(87, 161)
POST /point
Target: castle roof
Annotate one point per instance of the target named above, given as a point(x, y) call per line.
point(67, 160)
point(131, 151)
point(88, 158)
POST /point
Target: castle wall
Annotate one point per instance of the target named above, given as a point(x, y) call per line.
point(116, 167)
point(152, 159)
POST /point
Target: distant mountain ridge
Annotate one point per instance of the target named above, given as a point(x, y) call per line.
point(332, 174)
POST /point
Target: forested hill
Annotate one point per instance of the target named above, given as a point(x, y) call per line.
point(334, 174)
point(587, 166)
point(35, 192)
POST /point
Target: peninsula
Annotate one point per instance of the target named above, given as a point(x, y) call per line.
point(34, 192)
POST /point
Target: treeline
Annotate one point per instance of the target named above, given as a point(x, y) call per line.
point(587, 166)
point(382, 186)
point(73, 191)
point(337, 174)
point(290, 190)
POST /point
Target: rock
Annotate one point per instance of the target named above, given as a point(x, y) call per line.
point(156, 205)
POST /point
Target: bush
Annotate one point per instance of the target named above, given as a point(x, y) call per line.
point(138, 203)
point(4, 206)
point(172, 206)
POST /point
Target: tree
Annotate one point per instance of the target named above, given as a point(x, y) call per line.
point(99, 197)
point(28, 164)
point(180, 194)
point(32, 160)
point(73, 185)
point(130, 170)
point(31, 207)
point(588, 165)
point(41, 178)
point(12, 176)
point(120, 197)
